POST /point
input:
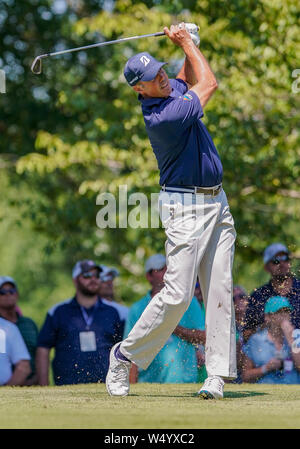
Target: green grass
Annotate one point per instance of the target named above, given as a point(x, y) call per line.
point(150, 406)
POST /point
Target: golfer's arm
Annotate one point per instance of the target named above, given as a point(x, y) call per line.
point(42, 365)
point(197, 73)
point(21, 371)
point(186, 74)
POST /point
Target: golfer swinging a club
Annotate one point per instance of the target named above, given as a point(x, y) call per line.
point(198, 224)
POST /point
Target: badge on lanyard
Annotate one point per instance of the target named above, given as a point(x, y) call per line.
point(87, 341)
point(88, 338)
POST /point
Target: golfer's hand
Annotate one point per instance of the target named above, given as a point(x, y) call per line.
point(179, 35)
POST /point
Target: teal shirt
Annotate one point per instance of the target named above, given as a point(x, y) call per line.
point(176, 362)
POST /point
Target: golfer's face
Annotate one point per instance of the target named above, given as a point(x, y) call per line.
point(159, 87)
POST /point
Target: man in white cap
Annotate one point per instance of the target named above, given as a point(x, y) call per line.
point(176, 362)
point(277, 262)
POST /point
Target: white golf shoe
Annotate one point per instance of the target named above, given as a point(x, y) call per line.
point(117, 379)
point(212, 388)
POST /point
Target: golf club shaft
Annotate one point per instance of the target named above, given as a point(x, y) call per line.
point(101, 44)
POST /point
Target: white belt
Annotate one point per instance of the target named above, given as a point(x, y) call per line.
point(194, 189)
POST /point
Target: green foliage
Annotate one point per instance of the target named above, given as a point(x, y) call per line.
point(77, 130)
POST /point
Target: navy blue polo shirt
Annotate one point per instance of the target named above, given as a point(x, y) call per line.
point(184, 150)
point(61, 330)
point(255, 312)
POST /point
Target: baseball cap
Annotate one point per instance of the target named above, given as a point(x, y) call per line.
point(155, 262)
point(276, 303)
point(272, 250)
point(108, 273)
point(5, 279)
point(141, 67)
point(83, 266)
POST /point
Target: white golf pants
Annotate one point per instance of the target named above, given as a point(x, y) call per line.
point(200, 242)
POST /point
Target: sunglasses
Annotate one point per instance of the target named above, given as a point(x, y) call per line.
point(278, 259)
point(89, 275)
point(10, 291)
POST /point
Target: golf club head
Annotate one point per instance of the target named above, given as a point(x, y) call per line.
point(36, 67)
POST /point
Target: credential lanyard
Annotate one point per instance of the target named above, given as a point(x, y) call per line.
point(88, 318)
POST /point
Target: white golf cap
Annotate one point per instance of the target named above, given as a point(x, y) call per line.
point(155, 262)
point(108, 273)
point(272, 250)
point(5, 279)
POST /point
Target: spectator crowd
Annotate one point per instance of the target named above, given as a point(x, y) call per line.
point(82, 330)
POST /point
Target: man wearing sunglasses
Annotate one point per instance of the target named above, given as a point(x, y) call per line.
point(277, 263)
point(82, 330)
point(9, 310)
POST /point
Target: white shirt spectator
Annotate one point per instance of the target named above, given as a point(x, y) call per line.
point(12, 349)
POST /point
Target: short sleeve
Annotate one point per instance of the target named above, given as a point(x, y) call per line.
point(47, 335)
point(184, 111)
point(17, 350)
point(180, 85)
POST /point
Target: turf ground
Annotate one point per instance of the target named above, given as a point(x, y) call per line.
point(150, 406)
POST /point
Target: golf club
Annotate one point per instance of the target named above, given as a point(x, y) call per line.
point(36, 66)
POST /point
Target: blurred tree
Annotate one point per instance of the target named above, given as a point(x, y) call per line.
point(89, 135)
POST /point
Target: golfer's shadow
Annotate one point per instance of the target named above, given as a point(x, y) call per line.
point(227, 395)
point(242, 394)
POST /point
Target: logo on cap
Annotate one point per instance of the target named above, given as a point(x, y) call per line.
point(134, 80)
point(145, 60)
